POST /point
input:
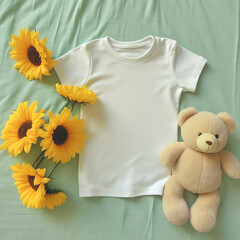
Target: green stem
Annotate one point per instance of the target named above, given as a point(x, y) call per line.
point(52, 172)
point(73, 104)
point(40, 155)
point(66, 105)
point(40, 161)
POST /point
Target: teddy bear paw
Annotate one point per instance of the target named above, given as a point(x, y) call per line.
point(236, 172)
point(177, 212)
point(204, 220)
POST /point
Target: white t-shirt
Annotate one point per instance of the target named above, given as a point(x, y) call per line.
point(138, 85)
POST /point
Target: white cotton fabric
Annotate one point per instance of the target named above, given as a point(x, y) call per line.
point(138, 85)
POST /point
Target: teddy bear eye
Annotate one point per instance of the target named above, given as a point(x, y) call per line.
point(216, 136)
point(199, 134)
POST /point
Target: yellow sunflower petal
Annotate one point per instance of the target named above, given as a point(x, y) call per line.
point(77, 94)
point(63, 137)
point(22, 129)
point(30, 185)
point(41, 172)
point(54, 199)
point(32, 56)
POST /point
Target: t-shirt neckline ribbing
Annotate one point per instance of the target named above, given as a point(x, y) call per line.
point(110, 43)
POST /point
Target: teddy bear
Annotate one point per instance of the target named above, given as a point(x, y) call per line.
point(196, 165)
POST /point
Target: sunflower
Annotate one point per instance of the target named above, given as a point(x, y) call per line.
point(32, 56)
point(54, 199)
point(30, 183)
point(77, 94)
point(63, 137)
point(22, 128)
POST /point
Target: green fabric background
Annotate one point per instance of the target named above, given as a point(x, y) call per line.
point(208, 28)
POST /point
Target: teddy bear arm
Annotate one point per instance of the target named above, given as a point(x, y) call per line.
point(230, 164)
point(171, 153)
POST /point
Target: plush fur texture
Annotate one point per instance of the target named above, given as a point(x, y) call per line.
point(197, 165)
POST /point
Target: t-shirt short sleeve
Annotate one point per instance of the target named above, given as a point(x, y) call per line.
point(73, 67)
point(186, 67)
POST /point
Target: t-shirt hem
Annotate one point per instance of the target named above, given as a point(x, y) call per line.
point(112, 193)
point(126, 193)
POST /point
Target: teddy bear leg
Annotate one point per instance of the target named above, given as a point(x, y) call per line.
point(203, 213)
point(174, 206)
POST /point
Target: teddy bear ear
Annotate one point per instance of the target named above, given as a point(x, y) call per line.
point(185, 114)
point(228, 120)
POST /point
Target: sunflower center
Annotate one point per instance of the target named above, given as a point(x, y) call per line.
point(60, 135)
point(31, 182)
point(33, 56)
point(22, 131)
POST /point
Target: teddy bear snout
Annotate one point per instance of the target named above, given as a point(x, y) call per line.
point(209, 143)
